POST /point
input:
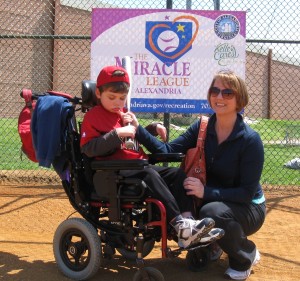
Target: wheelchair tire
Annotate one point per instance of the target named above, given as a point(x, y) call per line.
point(198, 259)
point(77, 249)
point(131, 254)
point(153, 274)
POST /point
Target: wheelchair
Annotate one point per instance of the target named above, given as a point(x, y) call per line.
point(116, 215)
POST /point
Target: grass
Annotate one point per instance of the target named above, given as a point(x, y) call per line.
point(273, 130)
point(272, 133)
point(277, 152)
point(274, 172)
point(11, 157)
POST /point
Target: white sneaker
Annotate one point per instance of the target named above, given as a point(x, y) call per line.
point(237, 275)
point(212, 236)
point(189, 230)
point(256, 258)
point(242, 275)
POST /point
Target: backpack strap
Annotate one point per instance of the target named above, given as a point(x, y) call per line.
point(24, 129)
point(27, 95)
point(202, 131)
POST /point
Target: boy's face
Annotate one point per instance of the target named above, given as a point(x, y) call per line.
point(112, 102)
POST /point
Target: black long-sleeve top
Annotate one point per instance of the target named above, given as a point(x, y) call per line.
point(234, 167)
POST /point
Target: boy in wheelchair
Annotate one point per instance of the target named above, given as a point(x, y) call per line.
point(103, 134)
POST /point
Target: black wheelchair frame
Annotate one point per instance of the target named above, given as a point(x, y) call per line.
point(115, 213)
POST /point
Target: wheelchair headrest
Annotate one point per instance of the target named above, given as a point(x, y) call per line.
point(88, 94)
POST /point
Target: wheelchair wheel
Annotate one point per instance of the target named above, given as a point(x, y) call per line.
point(198, 259)
point(77, 249)
point(130, 254)
point(150, 273)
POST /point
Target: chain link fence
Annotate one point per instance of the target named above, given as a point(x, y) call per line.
point(45, 44)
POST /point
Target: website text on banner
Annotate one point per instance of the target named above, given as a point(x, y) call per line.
point(174, 53)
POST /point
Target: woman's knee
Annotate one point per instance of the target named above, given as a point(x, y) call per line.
point(212, 210)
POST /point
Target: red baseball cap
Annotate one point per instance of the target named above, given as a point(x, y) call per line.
point(106, 75)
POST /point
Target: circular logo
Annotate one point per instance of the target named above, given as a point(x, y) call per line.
point(227, 27)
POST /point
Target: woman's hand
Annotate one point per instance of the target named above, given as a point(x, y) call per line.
point(161, 131)
point(194, 186)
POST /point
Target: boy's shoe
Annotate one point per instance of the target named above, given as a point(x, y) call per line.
point(189, 230)
point(213, 235)
point(205, 240)
point(242, 275)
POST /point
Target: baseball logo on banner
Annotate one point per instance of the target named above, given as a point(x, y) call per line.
point(169, 41)
point(174, 53)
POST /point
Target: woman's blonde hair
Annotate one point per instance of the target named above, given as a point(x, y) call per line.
point(234, 82)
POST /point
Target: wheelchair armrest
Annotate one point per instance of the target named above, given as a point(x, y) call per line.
point(165, 157)
point(134, 164)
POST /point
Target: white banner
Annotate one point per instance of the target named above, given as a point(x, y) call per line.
point(174, 53)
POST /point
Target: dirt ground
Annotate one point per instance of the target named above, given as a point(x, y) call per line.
point(29, 216)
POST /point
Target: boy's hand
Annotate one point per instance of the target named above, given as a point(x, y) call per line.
point(129, 118)
point(126, 131)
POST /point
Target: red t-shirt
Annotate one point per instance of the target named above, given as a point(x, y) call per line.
point(98, 121)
